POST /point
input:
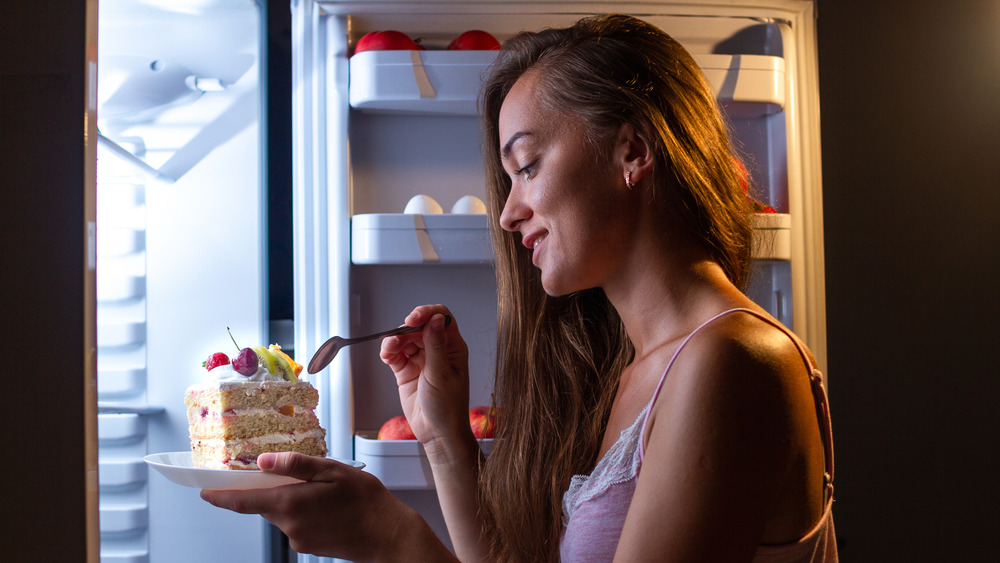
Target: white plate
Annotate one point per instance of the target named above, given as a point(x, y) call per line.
point(177, 467)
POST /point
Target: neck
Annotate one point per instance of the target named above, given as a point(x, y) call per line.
point(662, 296)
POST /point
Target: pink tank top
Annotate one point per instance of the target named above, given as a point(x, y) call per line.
point(595, 505)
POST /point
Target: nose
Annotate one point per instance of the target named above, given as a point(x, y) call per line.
point(514, 211)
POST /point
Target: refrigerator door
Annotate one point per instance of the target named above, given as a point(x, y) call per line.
point(181, 257)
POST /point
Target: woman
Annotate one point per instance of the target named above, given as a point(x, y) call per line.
point(649, 409)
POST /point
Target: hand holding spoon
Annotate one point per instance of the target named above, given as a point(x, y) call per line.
point(328, 351)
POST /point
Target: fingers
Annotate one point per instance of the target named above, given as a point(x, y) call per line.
point(301, 466)
point(423, 314)
point(407, 345)
point(257, 501)
point(396, 353)
point(292, 464)
point(435, 342)
point(397, 350)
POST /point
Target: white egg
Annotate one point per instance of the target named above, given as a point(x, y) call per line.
point(469, 204)
point(422, 205)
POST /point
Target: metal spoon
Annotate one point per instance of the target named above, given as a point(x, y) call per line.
point(329, 349)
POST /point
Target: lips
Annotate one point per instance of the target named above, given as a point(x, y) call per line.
point(532, 241)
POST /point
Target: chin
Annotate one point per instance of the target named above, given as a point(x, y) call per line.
point(552, 293)
point(559, 288)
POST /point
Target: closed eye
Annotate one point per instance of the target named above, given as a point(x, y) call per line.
point(527, 170)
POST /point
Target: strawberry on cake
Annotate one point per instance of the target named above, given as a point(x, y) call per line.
point(251, 405)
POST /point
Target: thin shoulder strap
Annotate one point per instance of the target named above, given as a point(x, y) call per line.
point(815, 377)
point(820, 398)
point(670, 364)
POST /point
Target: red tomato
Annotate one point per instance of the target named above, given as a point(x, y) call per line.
point(476, 40)
point(388, 40)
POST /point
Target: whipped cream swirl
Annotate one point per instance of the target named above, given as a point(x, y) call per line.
point(227, 373)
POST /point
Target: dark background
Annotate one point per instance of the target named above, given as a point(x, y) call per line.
point(910, 100)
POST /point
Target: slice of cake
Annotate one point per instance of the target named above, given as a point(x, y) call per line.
point(251, 405)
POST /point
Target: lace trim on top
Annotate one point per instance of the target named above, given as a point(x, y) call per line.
point(620, 464)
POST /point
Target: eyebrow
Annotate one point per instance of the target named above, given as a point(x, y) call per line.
point(505, 152)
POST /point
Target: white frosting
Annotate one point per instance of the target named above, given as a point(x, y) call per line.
point(268, 439)
point(216, 416)
point(227, 373)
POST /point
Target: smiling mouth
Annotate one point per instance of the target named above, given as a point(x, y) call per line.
point(534, 248)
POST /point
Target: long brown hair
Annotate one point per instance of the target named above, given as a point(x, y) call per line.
point(559, 359)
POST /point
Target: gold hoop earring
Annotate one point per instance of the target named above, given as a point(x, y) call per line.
point(628, 180)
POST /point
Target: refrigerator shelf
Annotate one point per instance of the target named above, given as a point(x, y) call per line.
point(772, 238)
point(746, 85)
point(447, 82)
point(401, 238)
point(399, 464)
point(430, 82)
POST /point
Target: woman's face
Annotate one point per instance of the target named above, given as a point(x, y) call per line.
point(572, 211)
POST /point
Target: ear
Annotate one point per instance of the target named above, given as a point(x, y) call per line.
point(635, 152)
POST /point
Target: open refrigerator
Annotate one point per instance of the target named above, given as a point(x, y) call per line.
point(370, 132)
point(375, 129)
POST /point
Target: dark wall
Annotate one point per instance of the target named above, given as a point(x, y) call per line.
point(910, 100)
point(279, 160)
point(42, 319)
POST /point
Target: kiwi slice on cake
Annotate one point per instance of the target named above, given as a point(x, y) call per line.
point(266, 359)
point(284, 368)
point(281, 359)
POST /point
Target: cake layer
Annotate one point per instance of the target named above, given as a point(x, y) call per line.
point(266, 394)
point(242, 454)
point(247, 423)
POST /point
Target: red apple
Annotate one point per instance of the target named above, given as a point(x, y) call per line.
point(483, 421)
point(475, 40)
point(388, 40)
point(396, 428)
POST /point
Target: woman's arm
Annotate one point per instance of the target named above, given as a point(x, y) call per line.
point(456, 478)
point(432, 375)
point(339, 511)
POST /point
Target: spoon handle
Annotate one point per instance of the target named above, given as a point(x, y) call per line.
point(392, 332)
point(328, 350)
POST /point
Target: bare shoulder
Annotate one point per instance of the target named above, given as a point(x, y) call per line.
point(732, 448)
point(739, 385)
point(740, 345)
